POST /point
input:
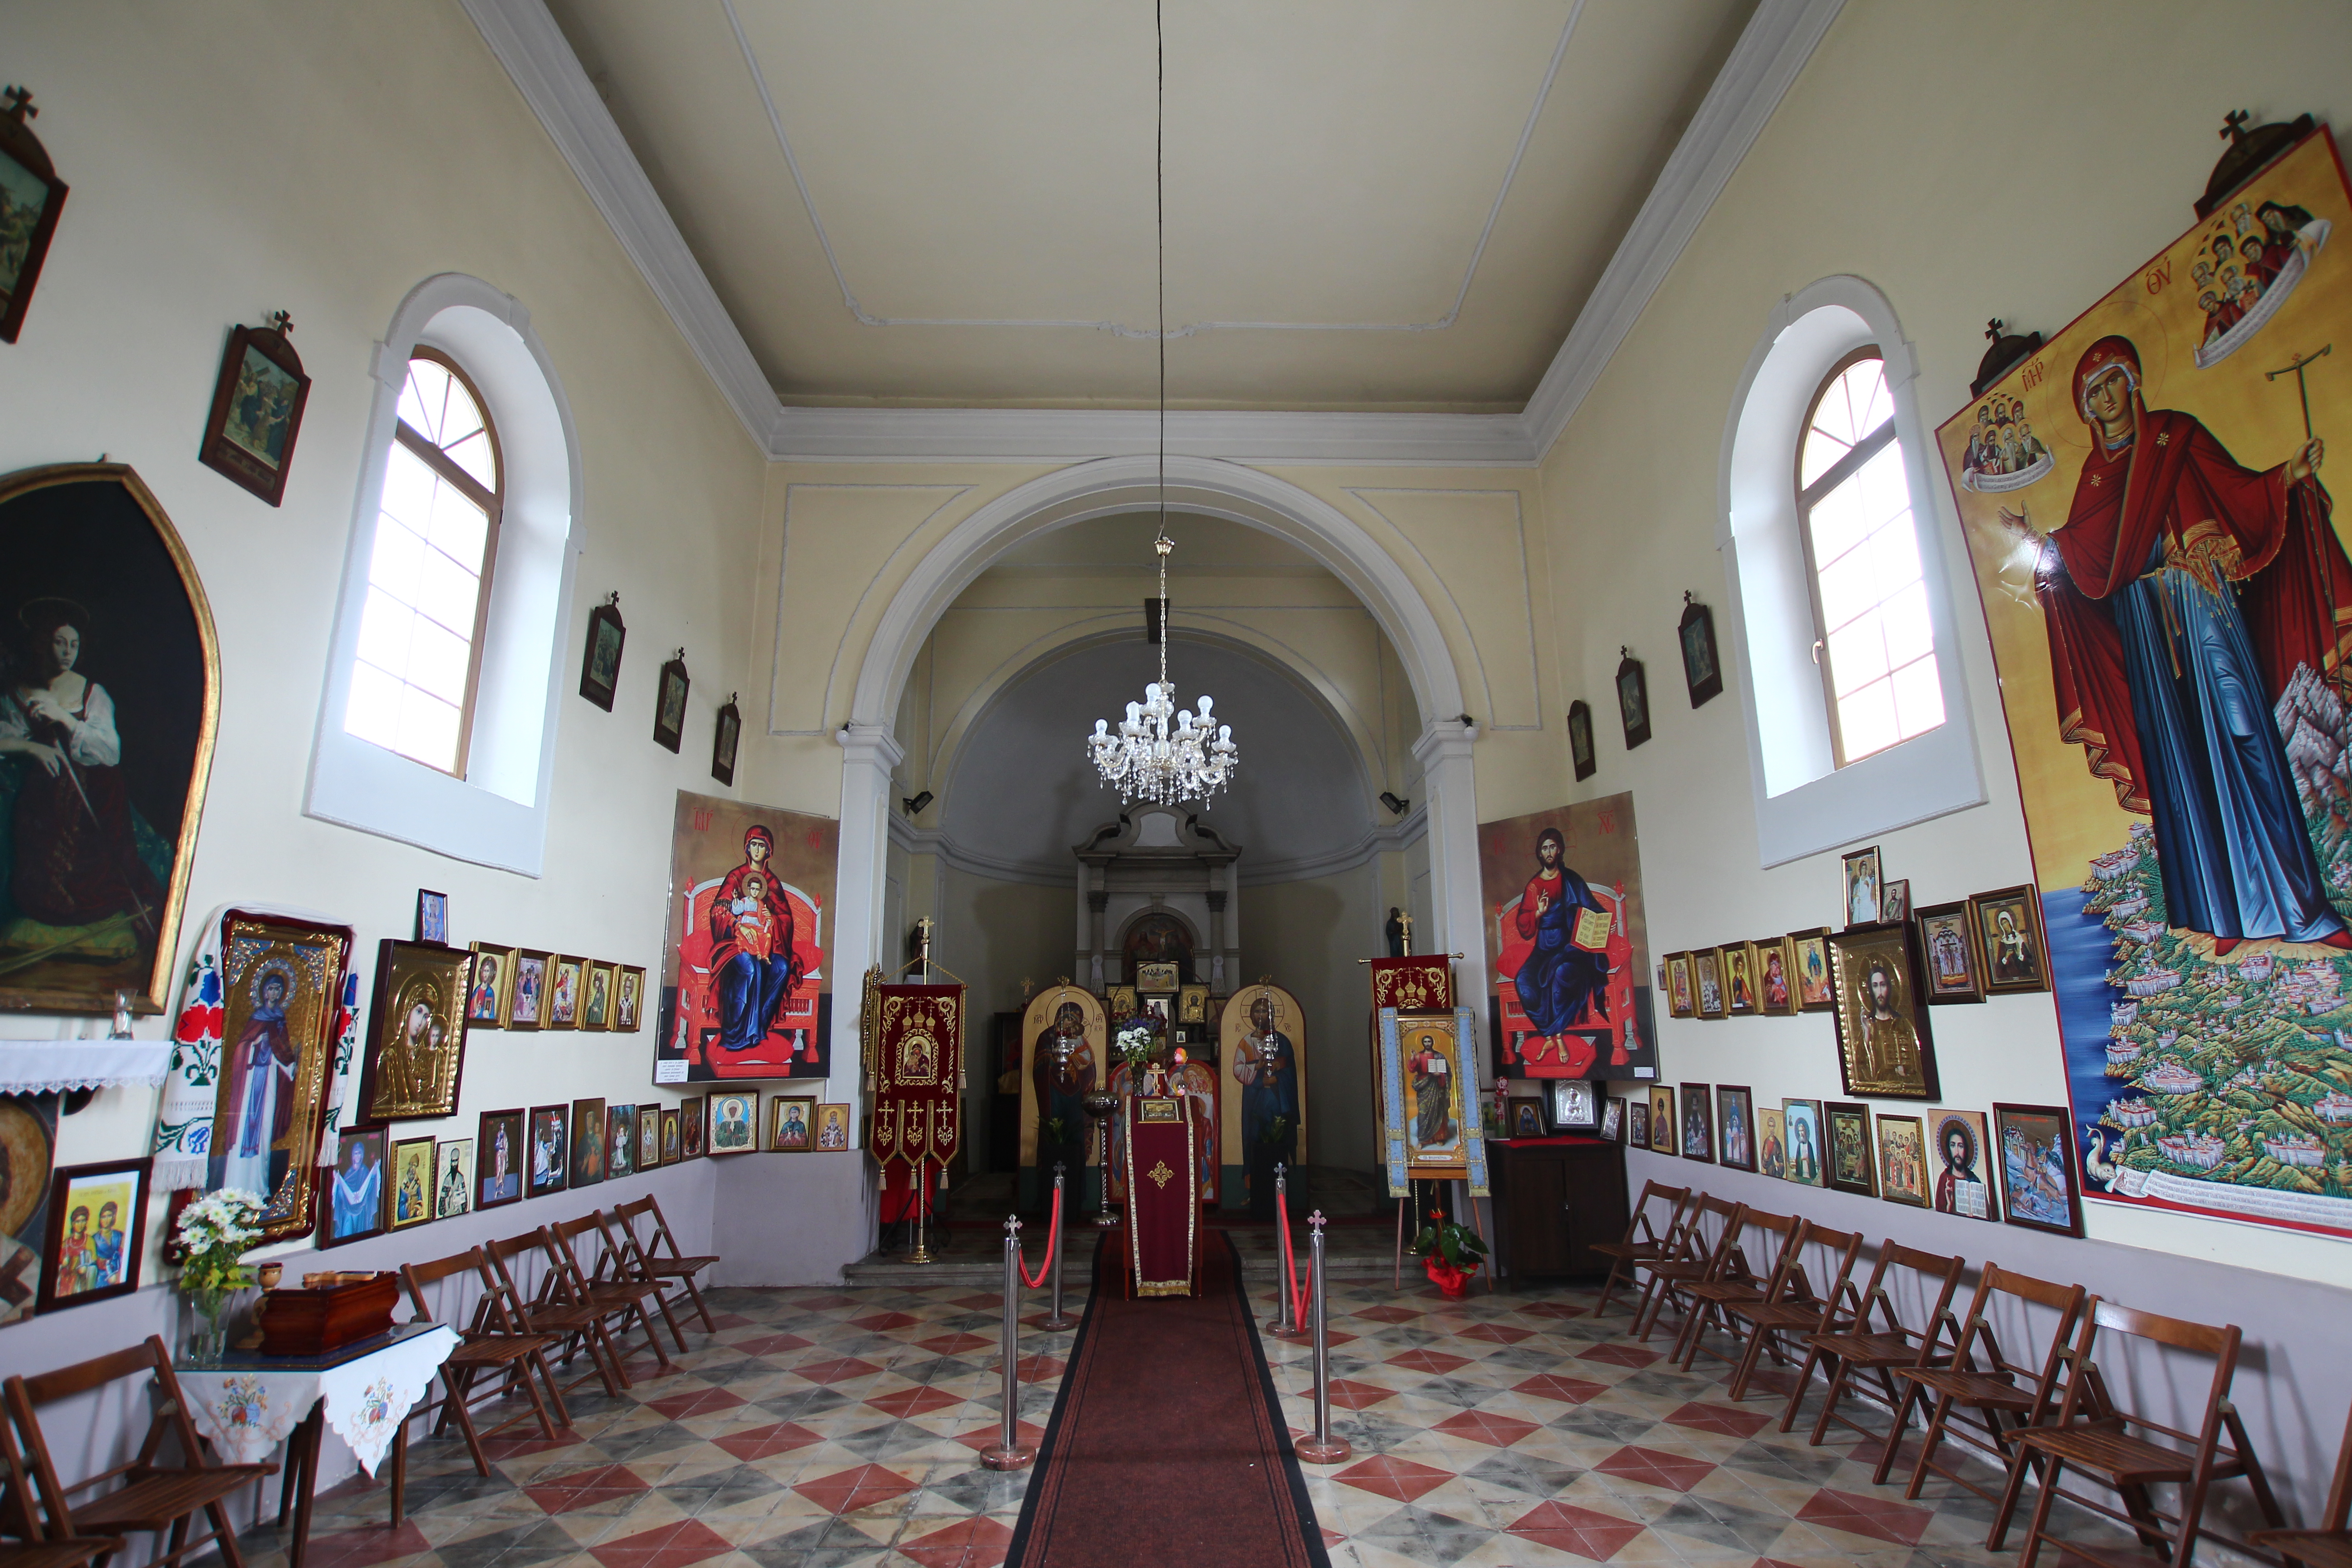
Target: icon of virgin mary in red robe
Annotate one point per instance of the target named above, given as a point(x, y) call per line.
point(751, 955)
point(2181, 597)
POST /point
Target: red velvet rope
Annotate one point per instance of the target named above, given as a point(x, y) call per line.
point(1289, 1260)
point(1053, 1247)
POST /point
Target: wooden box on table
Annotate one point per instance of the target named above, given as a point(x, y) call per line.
point(311, 1322)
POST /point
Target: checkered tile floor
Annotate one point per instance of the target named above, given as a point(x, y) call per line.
point(839, 1429)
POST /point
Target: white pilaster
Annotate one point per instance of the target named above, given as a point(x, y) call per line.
point(868, 753)
point(1443, 751)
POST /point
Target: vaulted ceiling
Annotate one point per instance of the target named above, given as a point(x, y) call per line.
point(1378, 204)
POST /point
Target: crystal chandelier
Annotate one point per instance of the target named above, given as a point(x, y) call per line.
point(1146, 759)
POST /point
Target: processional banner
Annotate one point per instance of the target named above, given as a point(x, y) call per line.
point(2170, 605)
point(1429, 1112)
point(1413, 984)
point(1164, 1205)
point(914, 1071)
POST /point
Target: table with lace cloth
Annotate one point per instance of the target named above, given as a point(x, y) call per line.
point(247, 1403)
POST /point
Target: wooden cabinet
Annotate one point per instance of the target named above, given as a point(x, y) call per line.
point(1553, 1199)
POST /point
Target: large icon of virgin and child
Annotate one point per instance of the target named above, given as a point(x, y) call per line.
point(743, 989)
point(1566, 941)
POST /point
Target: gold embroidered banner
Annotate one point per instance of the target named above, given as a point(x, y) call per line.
point(1414, 984)
point(914, 1069)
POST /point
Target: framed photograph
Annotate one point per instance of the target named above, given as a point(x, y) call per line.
point(1665, 1133)
point(1861, 881)
point(671, 1149)
point(1526, 1119)
point(1575, 1105)
point(280, 992)
point(1895, 900)
point(107, 624)
point(691, 1118)
point(499, 1158)
point(415, 1050)
point(600, 662)
point(1954, 970)
point(256, 412)
point(2008, 931)
point(628, 998)
point(1706, 979)
point(1803, 1117)
point(1637, 1123)
point(587, 1143)
point(734, 1123)
point(832, 1128)
point(1698, 1123)
point(1680, 1003)
point(1702, 668)
point(352, 1204)
point(1580, 738)
point(1734, 1120)
point(620, 1142)
point(1776, 976)
point(491, 999)
point(1772, 1142)
point(1612, 1118)
point(550, 1150)
point(723, 741)
point(670, 704)
point(454, 1193)
point(97, 1231)
point(34, 195)
point(1883, 1047)
point(2037, 1171)
point(1738, 960)
point(527, 996)
point(1632, 699)
point(433, 917)
point(1808, 952)
point(649, 1137)
point(563, 976)
point(595, 996)
point(1849, 1148)
point(791, 1123)
point(1964, 1165)
point(1903, 1161)
point(412, 1181)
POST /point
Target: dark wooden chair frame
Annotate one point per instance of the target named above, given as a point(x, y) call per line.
point(1642, 1243)
point(551, 1310)
point(1772, 1239)
point(662, 1258)
point(617, 1303)
point(2330, 1545)
point(21, 1517)
point(1697, 1258)
point(1851, 1344)
point(492, 1343)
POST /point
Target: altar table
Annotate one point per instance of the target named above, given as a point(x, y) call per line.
point(247, 1403)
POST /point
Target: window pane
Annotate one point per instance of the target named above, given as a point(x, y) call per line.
point(447, 593)
point(1851, 407)
point(1882, 486)
point(399, 558)
point(1866, 721)
point(437, 662)
point(458, 527)
point(1918, 698)
point(1839, 521)
point(384, 630)
point(1908, 634)
point(437, 405)
point(1857, 654)
point(373, 713)
point(408, 487)
point(428, 729)
point(1848, 589)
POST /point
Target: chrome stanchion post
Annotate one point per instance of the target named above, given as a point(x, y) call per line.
point(1285, 1320)
point(1056, 1319)
point(1008, 1452)
point(1322, 1448)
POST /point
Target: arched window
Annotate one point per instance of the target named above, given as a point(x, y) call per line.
point(1875, 640)
point(419, 659)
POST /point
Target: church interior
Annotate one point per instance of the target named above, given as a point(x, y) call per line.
point(1311, 784)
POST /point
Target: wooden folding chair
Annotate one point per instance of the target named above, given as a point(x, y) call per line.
point(663, 1259)
point(1795, 1305)
point(1641, 1242)
point(20, 1517)
point(551, 1310)
point(624, 1263)
point(514, 1358)
point(617, 1302)
point(2095, 1435)
point(1699, 1258)
point(1766, 1245)
point(1854, 1346)
point(2329, 1546)
point(152, 1498)
point(2000, 1387)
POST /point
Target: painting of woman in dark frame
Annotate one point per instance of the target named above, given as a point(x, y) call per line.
point(109, 699)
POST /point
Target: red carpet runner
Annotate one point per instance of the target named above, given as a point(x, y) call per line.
point(1167, 1443)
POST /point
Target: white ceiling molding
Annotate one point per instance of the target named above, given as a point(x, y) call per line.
point(1254, 871)
point(1779, 39)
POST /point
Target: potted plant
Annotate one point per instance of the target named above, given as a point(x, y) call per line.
point(1453, 1254)
point(1276, 1146)
point(211, 1238)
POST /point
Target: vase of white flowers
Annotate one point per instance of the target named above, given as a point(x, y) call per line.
point(211, 1238)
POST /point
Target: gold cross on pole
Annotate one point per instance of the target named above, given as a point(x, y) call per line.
point(2301, 361)
point(1405, 920)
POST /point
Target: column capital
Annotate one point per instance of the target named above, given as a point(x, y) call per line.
point(1097, 900)
point(1216, 901)
point(872, 744)
point(1444, 741)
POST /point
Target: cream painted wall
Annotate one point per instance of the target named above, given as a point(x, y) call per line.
point(1875, 165)
point(994, 935)
point(395, 148)
point(1308, 935)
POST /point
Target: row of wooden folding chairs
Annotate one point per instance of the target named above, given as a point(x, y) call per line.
point(1779, 1284)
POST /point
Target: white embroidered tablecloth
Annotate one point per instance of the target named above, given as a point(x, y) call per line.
point(247, 1411)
